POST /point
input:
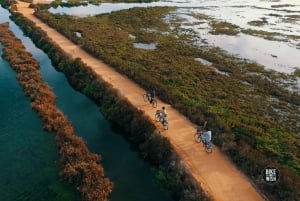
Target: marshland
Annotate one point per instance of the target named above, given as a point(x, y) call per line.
point(233, 64)
point(32, 163)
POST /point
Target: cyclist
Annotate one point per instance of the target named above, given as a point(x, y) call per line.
point(207, 136)
point(164, 112)
point(151, 95)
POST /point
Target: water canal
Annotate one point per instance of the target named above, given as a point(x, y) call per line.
point(28, 154)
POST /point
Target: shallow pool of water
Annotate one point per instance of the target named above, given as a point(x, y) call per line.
point(275, 55)
point(203, 61)
point(236, 12)
point(146, 46)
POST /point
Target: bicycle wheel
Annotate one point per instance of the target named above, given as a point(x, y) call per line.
point(166, 125)
point(208, 147)
point(197, 137)
point(154, 103)
point(145, 97)
point(157, 116)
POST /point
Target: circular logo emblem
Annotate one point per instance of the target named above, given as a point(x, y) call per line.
point(270, 175)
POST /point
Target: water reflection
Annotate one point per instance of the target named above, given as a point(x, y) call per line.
point(237, 12)
point(234, 11)
point(150, 46)
point(4, 15)
point(203, 61)
point(78, 34)
point(123, 166)
point(97, 9)
point(245, 46)
point(28, 156)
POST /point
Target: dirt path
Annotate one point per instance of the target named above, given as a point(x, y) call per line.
point(216, 174)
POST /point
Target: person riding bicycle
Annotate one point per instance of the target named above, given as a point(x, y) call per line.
point(164, 112)
point(151, 95)
point(207, 136)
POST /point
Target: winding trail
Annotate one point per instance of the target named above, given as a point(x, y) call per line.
point(214, 172)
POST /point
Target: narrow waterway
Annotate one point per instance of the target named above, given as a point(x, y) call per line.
point(133, 179)
point(28, 156)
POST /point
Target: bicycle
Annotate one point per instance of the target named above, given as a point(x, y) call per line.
point(199, 137)
point(208, 146)
point(200, 132)
point(153, 102)
point(161, 118)
point(158, 115)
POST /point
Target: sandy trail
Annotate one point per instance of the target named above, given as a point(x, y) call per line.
point(214, 172)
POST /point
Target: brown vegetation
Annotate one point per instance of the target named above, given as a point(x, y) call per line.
point(224, 28)
point(78, 165)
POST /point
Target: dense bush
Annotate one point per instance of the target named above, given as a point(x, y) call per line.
point(78, 165)
point(7, 3)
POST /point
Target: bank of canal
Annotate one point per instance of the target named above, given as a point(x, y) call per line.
point(28, 156)
point(133, 179)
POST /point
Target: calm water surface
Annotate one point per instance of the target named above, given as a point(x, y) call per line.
point(271, 54)
point(29, 154)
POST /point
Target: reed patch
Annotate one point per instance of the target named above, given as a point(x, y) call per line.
point(79, 166)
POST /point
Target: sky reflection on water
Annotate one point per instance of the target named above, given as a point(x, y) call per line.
point(150, 46)
point(274, 55)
